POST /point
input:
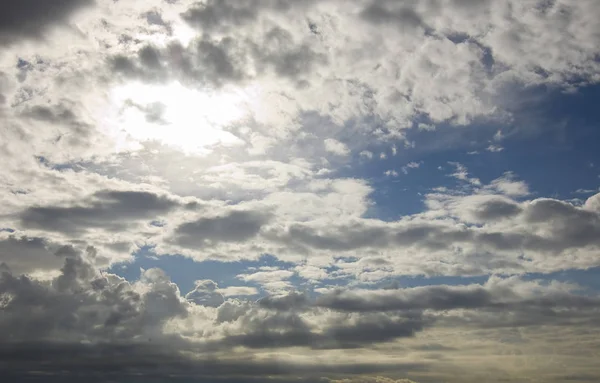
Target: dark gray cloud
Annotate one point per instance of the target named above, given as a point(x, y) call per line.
point(433, 297)
point(70, 130)
point(289, 301)
point(153, 112)
point(31, 18)
point(288, 59)
point(204, 62)
point(58, 114)
point(24, 255)
point(122, 327)
point(223, 15)
point(233, 226)
point(219, 60)
point(497, 209)
point(345, 238)
point(288, 329)
point(154, 17)
point(82, 304)
point(109, 209)
point(405, 17)
point(362, 235)
point(550, 307)
point(218, 14)
point(86, 323)
point(69, 362)
point(565, 225)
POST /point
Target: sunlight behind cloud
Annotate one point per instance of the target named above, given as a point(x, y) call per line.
point(188, 119)
point(369, 191)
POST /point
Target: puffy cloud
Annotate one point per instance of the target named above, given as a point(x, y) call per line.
point(336, 147)
point(222, 130)
point(81, 304)
point(90, 313)
point(205, 293)
point(23, 255)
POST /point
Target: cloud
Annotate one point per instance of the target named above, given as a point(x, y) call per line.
point(81, 304)
point(242, 131)
point(497, 209)
point(110, 209)
point(288, 330)
point(366, 154)
point(24, 255)
point(95, 314)
point(494, 148)
point(284, 302)
point(462, 174)
point(230, 291)
point(410, 165)
point(205, 293)
point(31, 18)
point(496, 294)
point(507, 184)
point(273, 281)
point(232, 227)
point(216, 14)
point(128, 361)
point(336, 147)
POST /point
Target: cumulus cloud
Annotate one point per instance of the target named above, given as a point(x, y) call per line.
point(205, 293)
point(336, 147)
point(244, 131)
point(23, 255)
point(104, 209)
point(86, 311)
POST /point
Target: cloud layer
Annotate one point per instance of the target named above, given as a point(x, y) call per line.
point(317, 151)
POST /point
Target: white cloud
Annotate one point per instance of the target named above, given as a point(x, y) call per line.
point(507, 184)
point(233, 291)
point(462, 174)
point(224, 130)
point(336, 147)
point(366, 154)
point(426, 127)
point(499, 136)
point(494, 148)
point(410, 165)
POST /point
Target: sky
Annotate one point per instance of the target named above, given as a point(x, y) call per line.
point(356, 191)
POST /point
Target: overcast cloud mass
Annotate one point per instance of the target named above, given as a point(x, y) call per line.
point(380, 191)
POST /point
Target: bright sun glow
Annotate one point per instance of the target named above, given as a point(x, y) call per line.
point(188, 119)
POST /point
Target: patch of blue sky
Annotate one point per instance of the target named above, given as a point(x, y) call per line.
point(552, 143)
point(588, 279)
point(184, 271)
